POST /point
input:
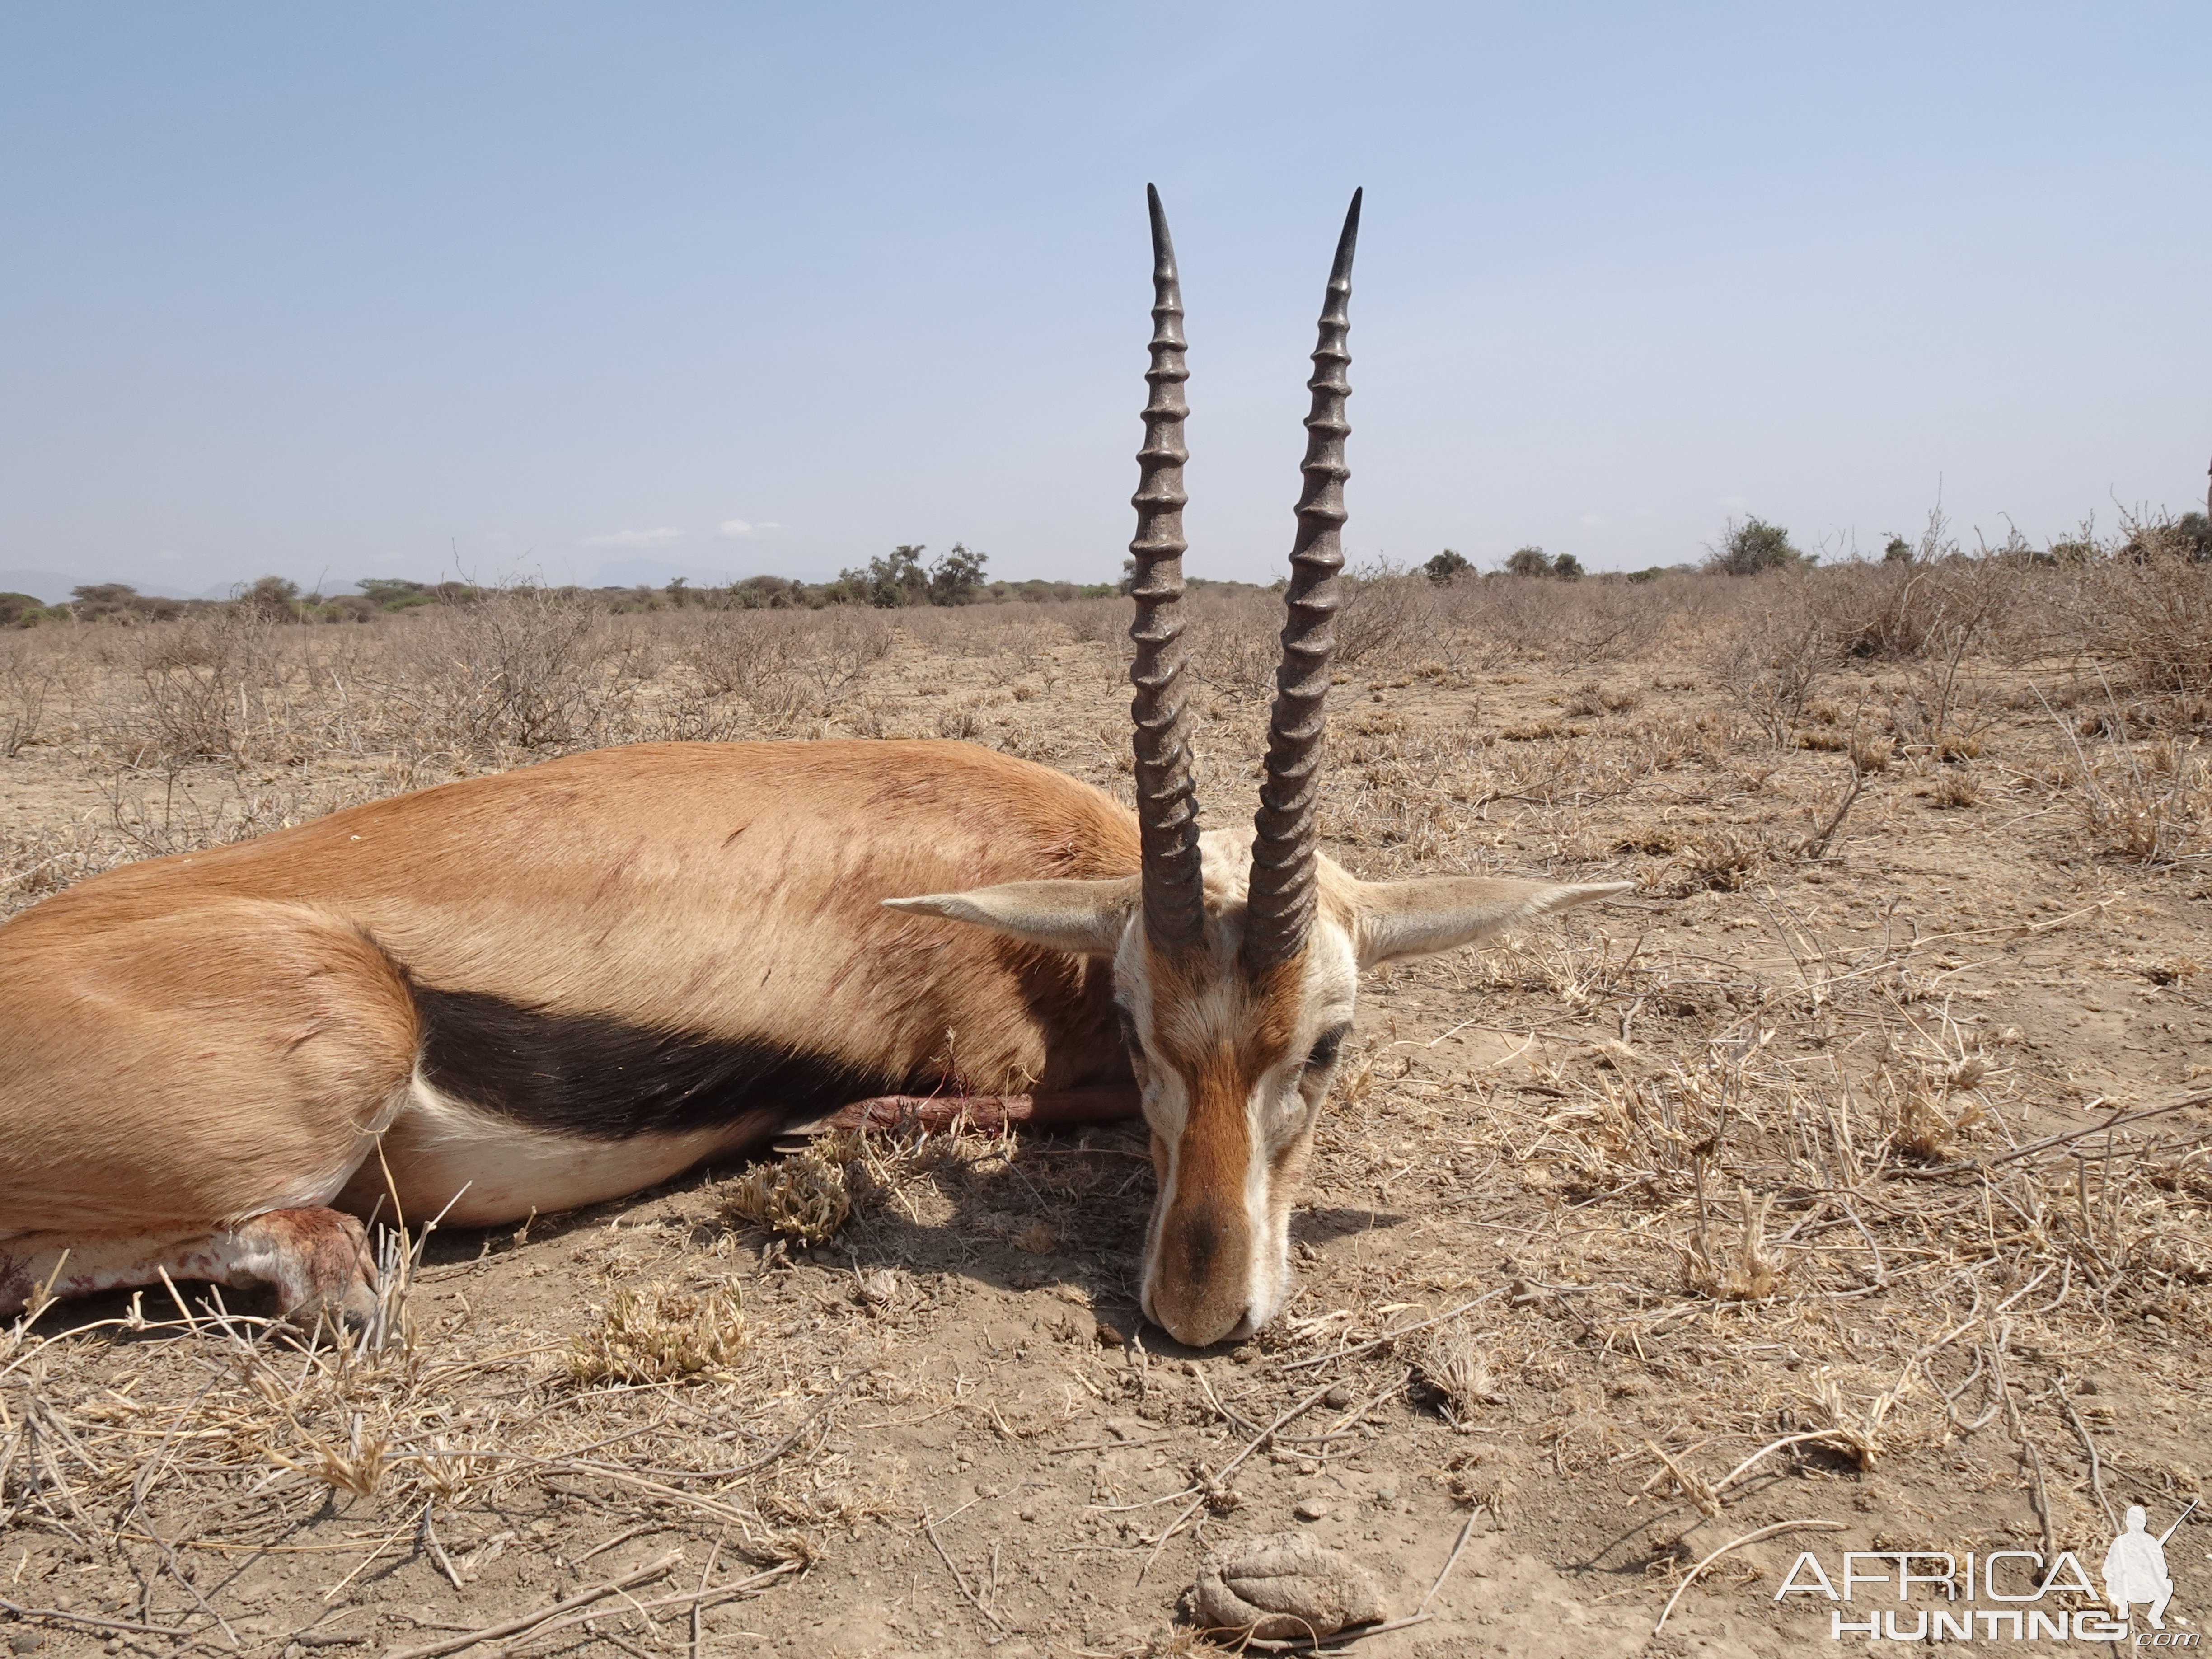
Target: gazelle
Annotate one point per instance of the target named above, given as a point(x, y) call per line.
point(541, 989)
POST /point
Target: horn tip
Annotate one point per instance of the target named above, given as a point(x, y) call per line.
point(1349, 239)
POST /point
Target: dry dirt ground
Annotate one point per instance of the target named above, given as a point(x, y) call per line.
point(1807, 1192)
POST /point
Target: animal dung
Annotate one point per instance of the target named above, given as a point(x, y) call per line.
point(1284, 1587)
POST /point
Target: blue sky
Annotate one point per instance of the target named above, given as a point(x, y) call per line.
point(543, 288)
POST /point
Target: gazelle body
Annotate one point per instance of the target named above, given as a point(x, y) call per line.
point(541, 989)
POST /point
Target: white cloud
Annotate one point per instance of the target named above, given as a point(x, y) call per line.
point(658, 537)
point(737, 530)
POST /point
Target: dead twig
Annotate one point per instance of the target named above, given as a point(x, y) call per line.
point(694, 1598)
point(2116, 1121)
point(55, 1615)
point(530, 1621)
point(2089, 1446)
point(1452, 1560)
point(1691, 1576)
point(1815, 845)
point(930, 1528)
point(1342, 1638)
point(1230, 1467)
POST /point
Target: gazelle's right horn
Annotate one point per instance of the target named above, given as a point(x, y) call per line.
point(1167, 804)
point(1282, 891)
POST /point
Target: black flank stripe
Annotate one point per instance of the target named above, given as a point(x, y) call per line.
point(607, 1079)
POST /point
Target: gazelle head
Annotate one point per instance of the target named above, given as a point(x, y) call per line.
point(1237, 953)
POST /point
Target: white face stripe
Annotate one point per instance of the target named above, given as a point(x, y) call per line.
point(1282, 1106)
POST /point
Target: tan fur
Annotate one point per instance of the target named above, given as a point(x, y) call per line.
point(190, 1042)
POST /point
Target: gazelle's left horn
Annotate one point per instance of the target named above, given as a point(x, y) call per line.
point(1283, 851)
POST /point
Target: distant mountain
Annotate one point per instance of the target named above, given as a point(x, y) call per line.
point(44, 585)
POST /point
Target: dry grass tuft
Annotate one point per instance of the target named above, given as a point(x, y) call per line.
point(1722, 857)
point(661, 1334)
point(1871, 751)
point(805, 1199)
point(1455, 1367)
point(1748, 1274)
point(1958, 788)
point(1926, 1131)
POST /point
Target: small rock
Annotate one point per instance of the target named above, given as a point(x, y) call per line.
point(1029, 1515)
point(1387, 1492)
point(984, 1489)
point(1337, 1398)
point(26, 1641)
point(1108, 1336)
point(1282, 1587)
point(1310, 1509)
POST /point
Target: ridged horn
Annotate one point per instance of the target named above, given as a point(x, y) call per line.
point(1167, 803)
point(1283, 851)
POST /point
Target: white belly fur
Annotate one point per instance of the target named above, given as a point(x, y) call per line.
point(438, 1148)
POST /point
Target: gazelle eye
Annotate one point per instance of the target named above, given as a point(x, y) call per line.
point(1325, 1051)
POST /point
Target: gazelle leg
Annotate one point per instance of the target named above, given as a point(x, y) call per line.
point(317, 1260)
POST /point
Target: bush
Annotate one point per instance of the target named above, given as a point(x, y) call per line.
point(2188, 537)
point(2151, 612)
point(1527, 561)
point(521, 668)
point(196, 689)
point(1384, 608)
point(29, 676)
point(21, 611)
point(1752, 548)
point(1446, 566)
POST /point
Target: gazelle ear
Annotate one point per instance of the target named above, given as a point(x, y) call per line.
point(1400, 918)
point(1086, 918)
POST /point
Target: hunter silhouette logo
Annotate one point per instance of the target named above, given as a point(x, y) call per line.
point(2134, 1567)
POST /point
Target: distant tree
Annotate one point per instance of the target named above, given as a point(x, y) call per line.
point(1751, 548)
point(1446, 566)
point(957, 576)
point(1529, 562)
point(270, 599)
point(768, 594)
point(21, 610)
point(1899, 551)
point(390, 593)
point(2192, 534)
point(104, 593)
point(894, 579)
point(679, 592)
point(1567, 568)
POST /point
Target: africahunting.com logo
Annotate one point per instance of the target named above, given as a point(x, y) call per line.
point(2003, 1595)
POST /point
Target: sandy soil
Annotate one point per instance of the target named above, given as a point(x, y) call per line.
point(1703, 1213)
